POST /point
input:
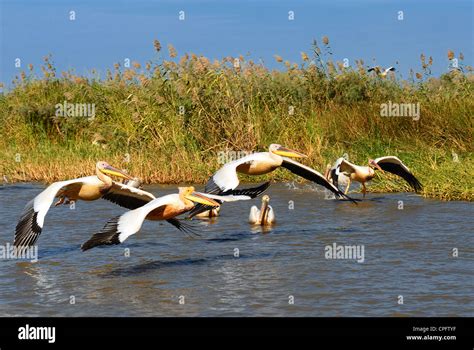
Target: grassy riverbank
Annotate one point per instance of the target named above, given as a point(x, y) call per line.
point(168, 120)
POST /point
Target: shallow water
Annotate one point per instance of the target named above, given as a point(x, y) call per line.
point(407, 252)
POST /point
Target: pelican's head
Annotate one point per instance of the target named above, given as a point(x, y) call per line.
point(285, 152)
point(196, 197)
point(373, 164)
point(266, 199)
point(107, 169)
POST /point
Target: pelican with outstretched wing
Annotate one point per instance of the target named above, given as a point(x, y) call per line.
point(118, 229)
point(225, 180)
point(381, 72)
point(264, 216)
point(363, 174)
point(87, 188)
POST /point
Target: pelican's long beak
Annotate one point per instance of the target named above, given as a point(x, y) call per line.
point(197, 197)
point(110, 170)
point(286, 152)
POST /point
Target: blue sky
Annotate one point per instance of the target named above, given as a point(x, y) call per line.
point(108, 31)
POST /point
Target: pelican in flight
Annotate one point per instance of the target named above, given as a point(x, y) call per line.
point(87, 188)
point(264, 216)
point(363, 174)
point(118, 229)
point(380, 71)
point(225, 180)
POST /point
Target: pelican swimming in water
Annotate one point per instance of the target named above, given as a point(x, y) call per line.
point(363, 174)
point(87, 188)
point(134, 182)
point(226, 179)
point(264, 216)
point(209, 214)
point(118, 229)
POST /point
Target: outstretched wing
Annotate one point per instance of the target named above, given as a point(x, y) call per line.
point(312, 175)
point(395, 166)
point(225, 180)
point(107, 236)
point(118, 229)
point(127, 196)
point(31, 222)
point(344, 167)
point(28, 230)
point(333, 172)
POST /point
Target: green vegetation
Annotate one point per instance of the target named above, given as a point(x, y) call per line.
point(168, 120)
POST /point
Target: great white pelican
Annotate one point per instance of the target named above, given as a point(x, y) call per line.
point(264, 216)
point(380, 71)
point(88, 188)
point(209, 214)
point(363, 174)
point(225, 180)
point(118, 229)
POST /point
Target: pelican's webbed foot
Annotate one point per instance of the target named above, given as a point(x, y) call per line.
point(60, 201)
point(63, 200)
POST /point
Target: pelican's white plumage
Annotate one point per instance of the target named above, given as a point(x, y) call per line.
point(381, 71)
point(392, 160)
point(263, 216)
point(131, 222)
point(43, 201)
point(226, 180)
point(31, 222)
point(118, 229)
point(363, 174)
point(87, 188)
point(212, 213)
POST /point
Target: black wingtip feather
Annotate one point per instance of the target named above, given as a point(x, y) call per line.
point(27, 230)
point(342, 195)
point(252, 192)
point(128, 202)
point(199, 208)
point(185, 227)
point(417, 186)
point(109, 235)
point(407, 176)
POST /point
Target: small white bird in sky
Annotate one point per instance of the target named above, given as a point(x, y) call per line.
point(380, 71)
